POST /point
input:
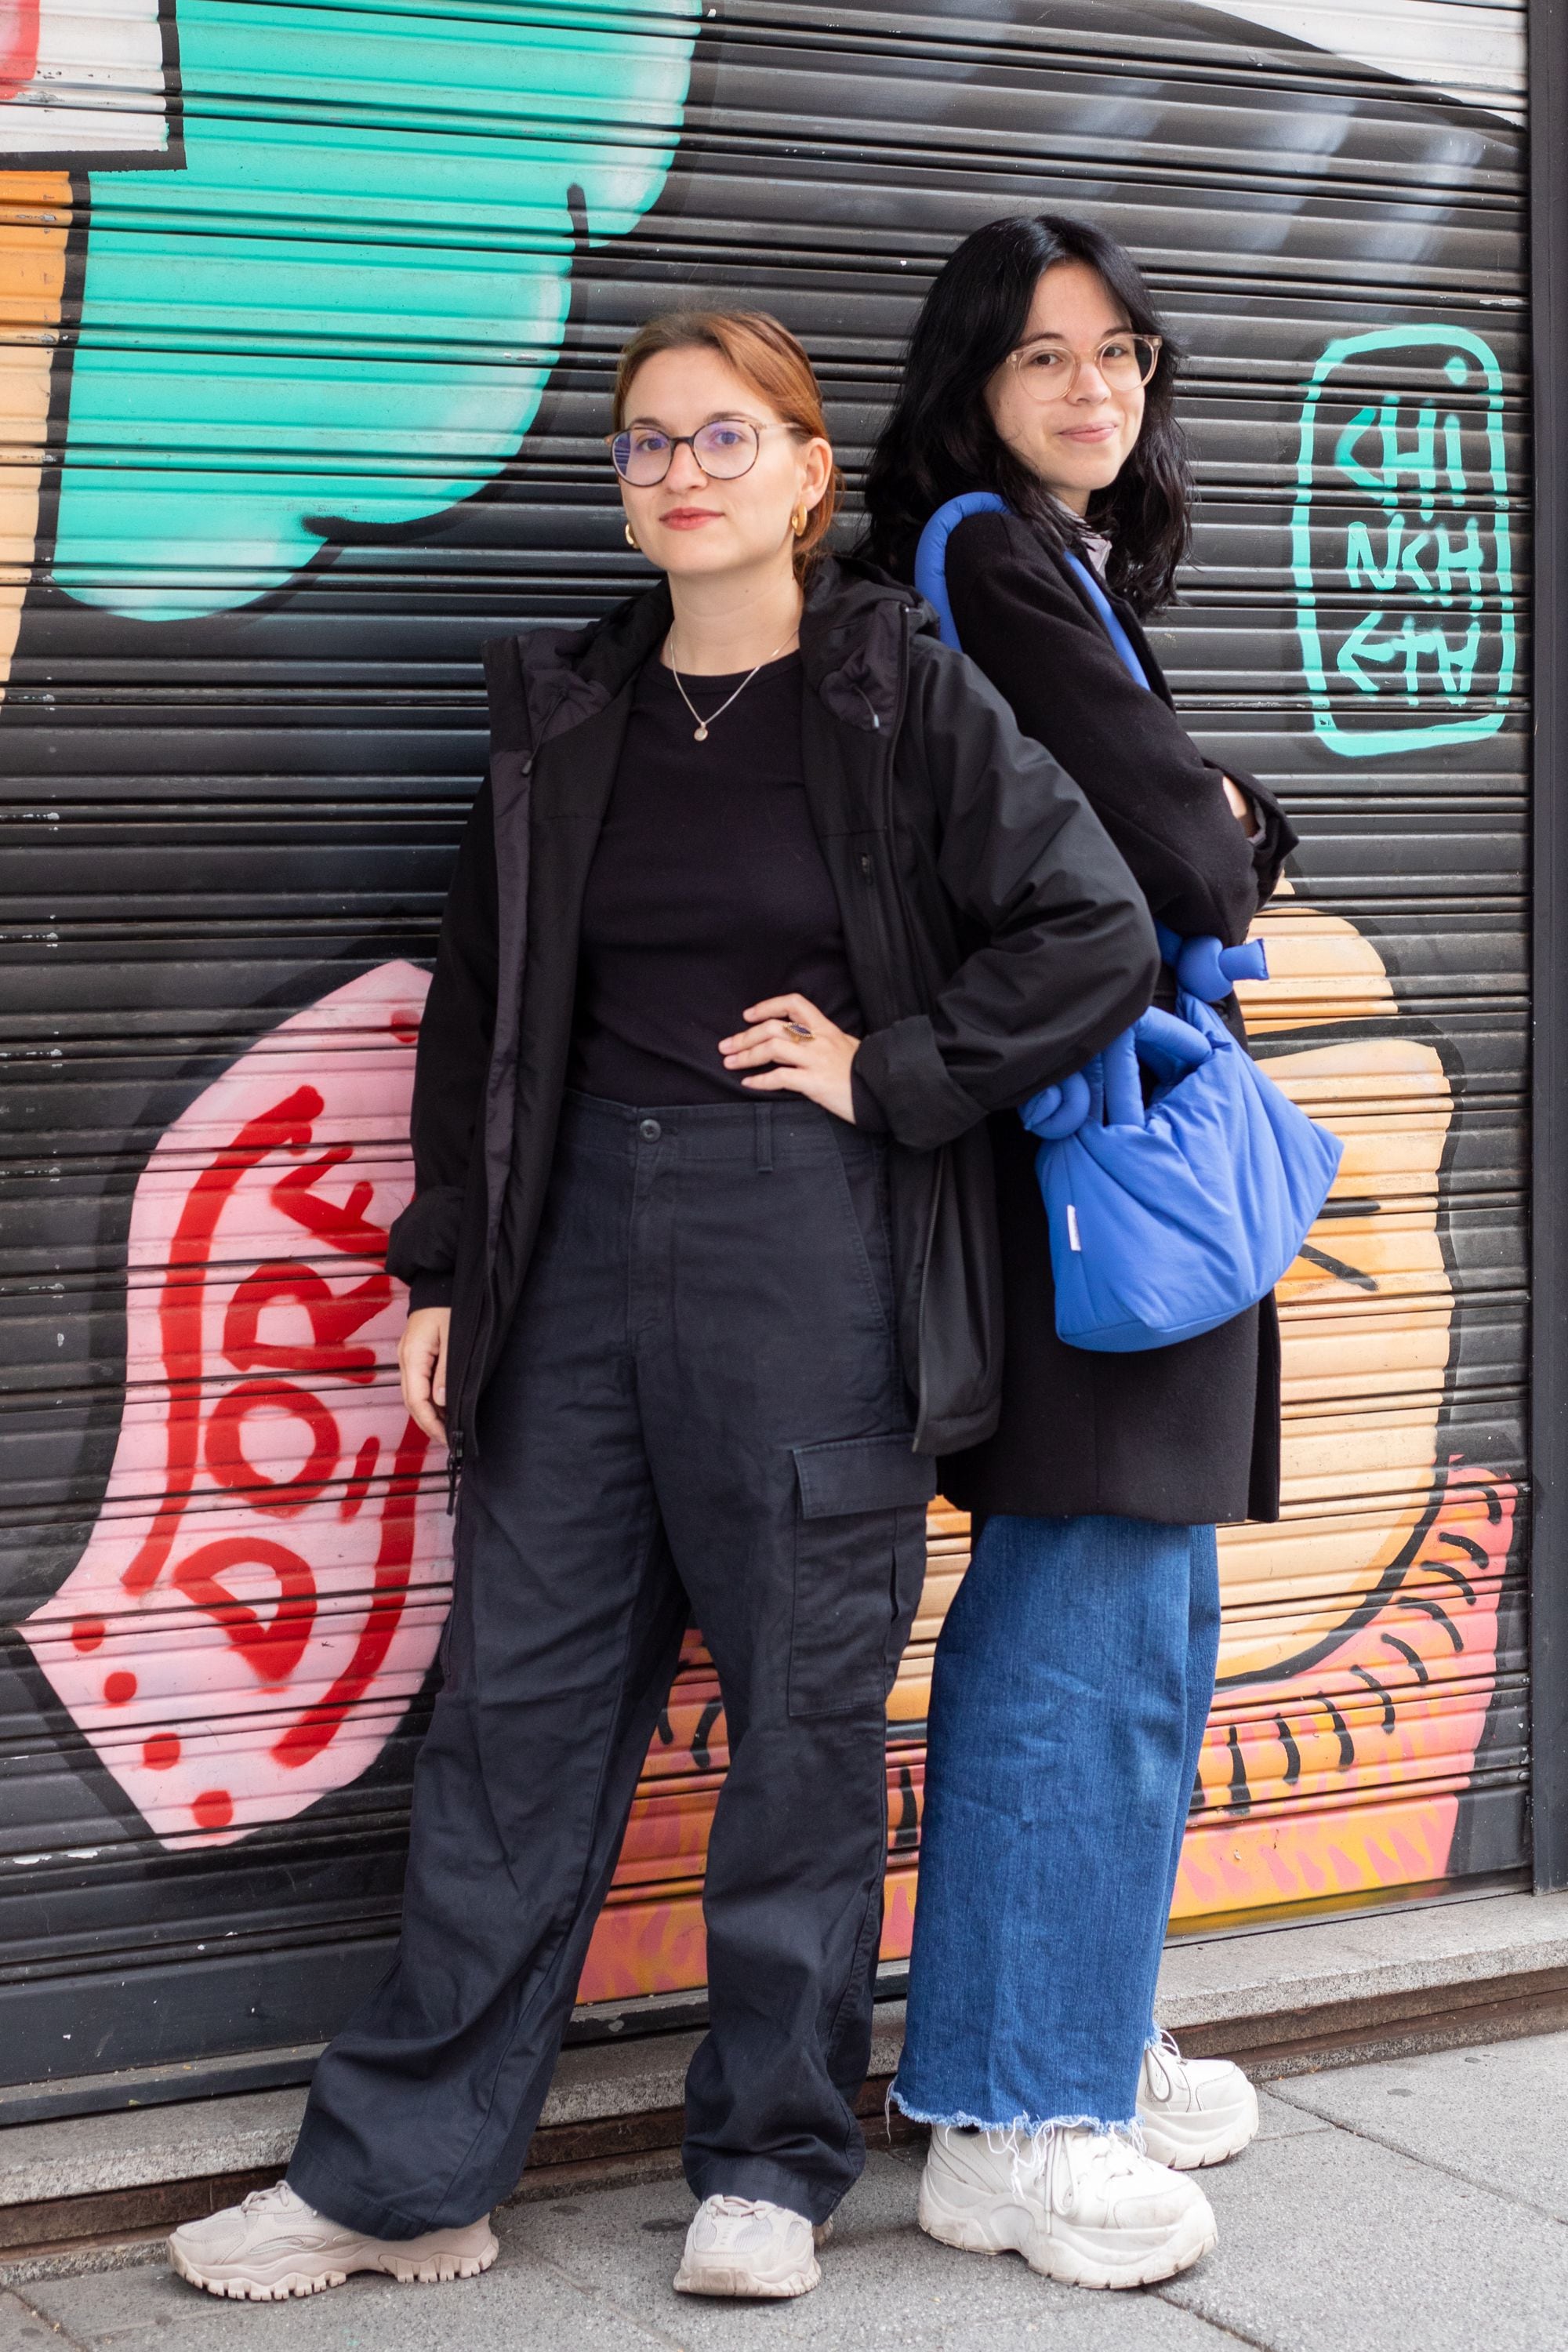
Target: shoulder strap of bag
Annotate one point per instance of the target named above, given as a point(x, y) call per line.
point(1107, 611)
point(931, 556)
point(931, 575)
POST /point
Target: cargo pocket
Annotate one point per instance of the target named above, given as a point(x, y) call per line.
point(859, 1564)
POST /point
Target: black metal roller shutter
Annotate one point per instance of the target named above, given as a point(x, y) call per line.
point(239, 741)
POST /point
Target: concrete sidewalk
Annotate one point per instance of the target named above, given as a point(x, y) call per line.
point(1411, 2205)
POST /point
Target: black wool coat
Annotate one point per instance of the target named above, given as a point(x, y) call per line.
point(994, 934)
point(1187, 1435)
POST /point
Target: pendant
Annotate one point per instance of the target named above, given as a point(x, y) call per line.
point(700, 736)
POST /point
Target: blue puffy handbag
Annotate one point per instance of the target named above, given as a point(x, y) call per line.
point(1168, 1215)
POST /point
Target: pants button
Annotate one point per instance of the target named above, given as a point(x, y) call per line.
point(650, 1130)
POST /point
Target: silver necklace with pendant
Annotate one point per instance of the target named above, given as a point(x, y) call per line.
point(704, 724)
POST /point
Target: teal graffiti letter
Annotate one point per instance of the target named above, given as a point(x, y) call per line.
point(1406, 620)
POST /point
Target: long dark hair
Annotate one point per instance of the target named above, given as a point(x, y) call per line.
point(940, 440)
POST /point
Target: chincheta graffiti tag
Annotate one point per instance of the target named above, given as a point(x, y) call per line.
point(1400, 542)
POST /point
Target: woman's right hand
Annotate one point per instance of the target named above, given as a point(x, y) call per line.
point(1240, 806)
point(421, 1363)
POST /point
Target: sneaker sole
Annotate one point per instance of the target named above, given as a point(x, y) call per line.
point(730, 2281)
point(429, 2270)
point(1059, 2258)
point(1079, 2265)
point(1189, 2143)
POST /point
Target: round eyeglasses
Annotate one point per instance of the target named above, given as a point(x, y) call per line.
point(726, 447)
point(1049, 370)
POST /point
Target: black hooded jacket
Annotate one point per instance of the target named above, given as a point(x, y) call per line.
point(995, 937)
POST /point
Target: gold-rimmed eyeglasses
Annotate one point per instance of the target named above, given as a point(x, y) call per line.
point(1048, 370)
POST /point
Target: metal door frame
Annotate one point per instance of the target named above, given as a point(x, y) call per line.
point(1547, 104)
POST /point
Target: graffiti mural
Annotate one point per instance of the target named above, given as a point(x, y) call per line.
point(309, 314)
point(264, 1590)
point(79, 88)
point(1349, 1719)
point(1429, 558)
point(392, 377)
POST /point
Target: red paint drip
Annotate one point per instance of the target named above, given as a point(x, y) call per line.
point(358, 1486)
point(319, 1728)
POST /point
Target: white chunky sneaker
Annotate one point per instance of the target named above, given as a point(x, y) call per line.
point(1194, 2111)
point(743, 2245)
point(1081, 2206)
point(275, 2245)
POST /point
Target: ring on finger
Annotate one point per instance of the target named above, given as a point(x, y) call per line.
point(796, 1029)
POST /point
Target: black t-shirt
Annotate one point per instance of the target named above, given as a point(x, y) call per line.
point(707, 892)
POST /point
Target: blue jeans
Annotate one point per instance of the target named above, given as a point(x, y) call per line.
point(1071, 1687)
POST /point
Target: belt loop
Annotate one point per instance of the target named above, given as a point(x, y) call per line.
point(764, 1139)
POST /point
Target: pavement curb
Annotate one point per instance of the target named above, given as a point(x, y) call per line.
point(90, 2190)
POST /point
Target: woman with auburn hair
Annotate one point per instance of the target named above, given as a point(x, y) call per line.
point(1074, 1674)
point(765, 905)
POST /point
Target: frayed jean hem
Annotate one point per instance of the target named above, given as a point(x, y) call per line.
point(1015, 2130)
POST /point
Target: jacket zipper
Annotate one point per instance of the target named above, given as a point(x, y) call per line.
point(868, 869)
point(918, 977)
point(881, 915)
point(936, 1191)
point(916, 974)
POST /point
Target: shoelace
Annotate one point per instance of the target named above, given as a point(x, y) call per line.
point(1049, 2160)
point(1111, 2158)
point(1158, 2052)
point(264, 2201)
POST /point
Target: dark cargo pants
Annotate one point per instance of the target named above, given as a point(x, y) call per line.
point(699, 1414)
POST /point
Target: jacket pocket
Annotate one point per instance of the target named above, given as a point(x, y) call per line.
point(859, 1566)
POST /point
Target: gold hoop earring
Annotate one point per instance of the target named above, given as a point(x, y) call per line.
point(631, 537)
point(800, 517)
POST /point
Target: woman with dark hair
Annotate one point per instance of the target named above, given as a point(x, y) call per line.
point(1074, 1674)
point(765, 904)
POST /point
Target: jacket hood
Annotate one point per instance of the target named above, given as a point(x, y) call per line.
point(852, 635)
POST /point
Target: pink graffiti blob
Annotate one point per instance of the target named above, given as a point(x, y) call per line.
point(18, 45)
point(264, 1589)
